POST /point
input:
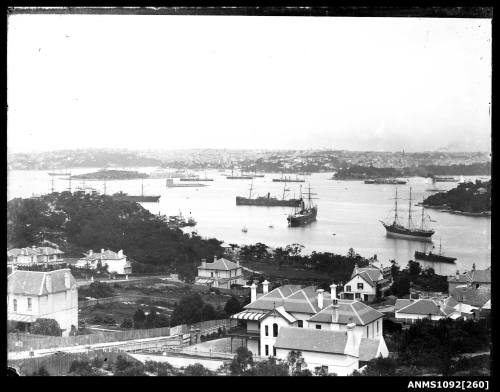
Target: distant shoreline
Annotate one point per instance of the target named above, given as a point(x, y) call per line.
point(445, 208)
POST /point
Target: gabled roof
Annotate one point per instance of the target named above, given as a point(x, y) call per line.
point(425, 307)
point(347, 311)
point(308, 339)
point(401, 303)
point(487, 305)
point(473, 276)
point(471, 296)
point(35, 283)
point(280, 312)
point(370, 274)
point(34, 251)
point(273, 298)
point(220, 264)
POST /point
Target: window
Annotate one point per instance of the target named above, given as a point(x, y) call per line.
point(318, 326)
point(275, 330)
point(274, 351)
point(348, 288)
point(211, 274)
point(29, 303)
point(300, 323)
point(360, 286)
point(15, 305)
point(358, 295)
point(267, 330)
point(267, 349)
point(367, 331)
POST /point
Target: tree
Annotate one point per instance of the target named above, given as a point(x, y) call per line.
point(127, 323)
point(139, 318)
point(43, 326)
point(188, 310)
point(241, 361)
point(97, 290)
point(270, 367)
point(208, 312)
point(297, 364)
point(232, 306)
point(414, 268)
point(82, 368)
point(197, 369)
point(124, 367)
point(380, 367)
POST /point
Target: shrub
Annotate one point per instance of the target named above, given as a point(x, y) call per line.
point(109, 320)
point(44, 326)
point(127, 323)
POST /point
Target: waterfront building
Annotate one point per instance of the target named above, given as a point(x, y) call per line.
point(410, 310)
point(51, 295)
point(116, 261)
point(365, 282)
point(330, 332)
point(221, 273)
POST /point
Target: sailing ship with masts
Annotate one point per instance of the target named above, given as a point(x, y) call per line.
point(307, 212)
point(439, 257)
point(410, 231)
point(288, 179)
point(267, 201)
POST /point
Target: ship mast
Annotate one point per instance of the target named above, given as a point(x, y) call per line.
point(284, 191)
point(251, 187)
point(142, 188)
point(396, 207)
point(409, 211)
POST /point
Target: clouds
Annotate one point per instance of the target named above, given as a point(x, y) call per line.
point(247, 82)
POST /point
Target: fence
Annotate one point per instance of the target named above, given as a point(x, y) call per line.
point(24, 342)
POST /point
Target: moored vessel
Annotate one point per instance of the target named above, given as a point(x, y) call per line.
point(306, 214)
point(267, 201)
point(439, 257)
point(409, 232)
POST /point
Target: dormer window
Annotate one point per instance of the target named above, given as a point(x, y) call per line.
point(360, 286)
point(300, 323)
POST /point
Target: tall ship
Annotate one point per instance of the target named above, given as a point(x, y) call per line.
point(386, 181)
point(439, 257)
point(288, 179)
point(410, 231)
point(306, 214)
point(142, 198)
point(172, 184)
point(267, 201)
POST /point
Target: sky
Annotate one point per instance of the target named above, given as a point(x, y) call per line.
point(176, 82)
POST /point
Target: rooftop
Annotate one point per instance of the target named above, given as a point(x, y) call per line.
point(220, 264)
point(35, 283)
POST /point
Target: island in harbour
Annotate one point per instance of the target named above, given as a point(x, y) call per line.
point(111, 175)
point(468, 198)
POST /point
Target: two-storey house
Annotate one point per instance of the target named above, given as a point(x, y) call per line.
point(33, 255)
point(222, 273)
point(300, 313)
point(52, 295)
point(366, 282)
point(479, 280)
point(116, 261)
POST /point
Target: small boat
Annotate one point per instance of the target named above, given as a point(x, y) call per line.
point(244, 229)
point(334, 234)
point(271, 226)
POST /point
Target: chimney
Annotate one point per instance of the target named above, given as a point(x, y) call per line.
point(335, 307)
point(238, 263)
point(320, 298)
point(91, 252)
point(67, 280)
point(48, 282)
point(351, 346)
point(120, 253)
point(473, 266)
point(215, 259)
point(253, 292)
point(333, 291)
point(203, 263)
point(265, 286)
point(460, 305)
point(457, 275)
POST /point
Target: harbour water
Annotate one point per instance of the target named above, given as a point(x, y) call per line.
point(348, 214)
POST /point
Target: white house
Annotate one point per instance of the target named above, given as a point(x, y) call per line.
point(33, 255)
point(221, 273)
point(53, 295)
point(365, 282)
point(116, 261)
point(305, 310)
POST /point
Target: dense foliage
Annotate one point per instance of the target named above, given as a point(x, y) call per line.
point(363, 172)
point(466, 197)
point(43, 326)
point(191, 309)
point(81, 222)
point(416, 277)
point(96, 290)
